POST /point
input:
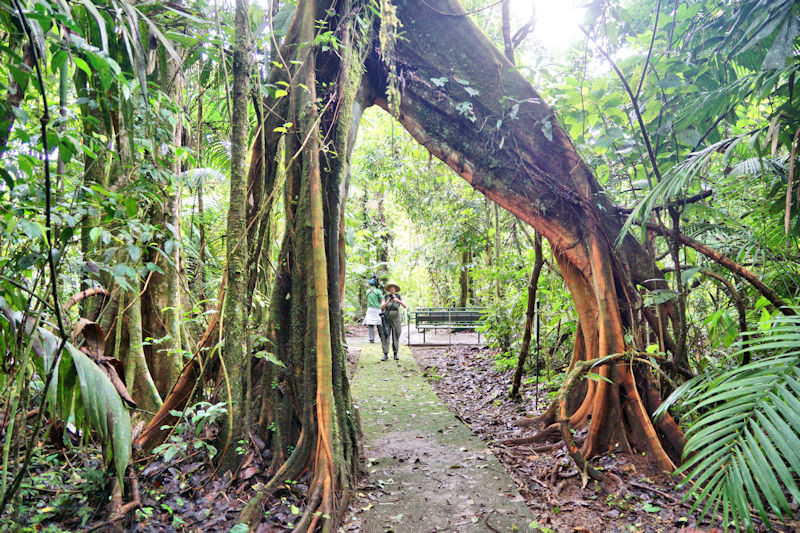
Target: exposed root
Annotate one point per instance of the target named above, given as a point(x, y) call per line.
point(291, 469)
point(552, 431)
point(176, 400)
point(549, 433)
point(88, 293)
point(673, 435)
point(308, 521)
point(153, 435)
point(655, 449)
point(527, 422)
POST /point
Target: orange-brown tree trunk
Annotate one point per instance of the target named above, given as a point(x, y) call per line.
point(463, 101)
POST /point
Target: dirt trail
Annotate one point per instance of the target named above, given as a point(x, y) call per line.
point(427, 471)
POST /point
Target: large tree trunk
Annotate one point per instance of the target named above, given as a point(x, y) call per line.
point(307, 403)
point(508, 144)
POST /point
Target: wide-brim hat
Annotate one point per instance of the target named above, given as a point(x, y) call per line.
point(393, 284)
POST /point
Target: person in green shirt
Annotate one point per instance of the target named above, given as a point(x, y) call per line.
point(392, 301)
point(373, 316)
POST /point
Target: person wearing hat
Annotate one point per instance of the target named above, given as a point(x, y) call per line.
point(373, 316)
point(392, 301)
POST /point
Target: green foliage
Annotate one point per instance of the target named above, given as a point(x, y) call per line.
point(409, 217)
point(79, 391)
point(501, 324)
point(187, 433)
point(744, 434)
point(53, 491)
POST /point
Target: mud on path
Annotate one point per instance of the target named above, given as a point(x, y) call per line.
point(427, 471)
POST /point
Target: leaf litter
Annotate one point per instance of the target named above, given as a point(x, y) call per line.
point(467, 380)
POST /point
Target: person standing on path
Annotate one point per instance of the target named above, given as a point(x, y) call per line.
point(390, 306)
point(373, 316)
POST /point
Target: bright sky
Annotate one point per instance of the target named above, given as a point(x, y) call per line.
point(556, 20)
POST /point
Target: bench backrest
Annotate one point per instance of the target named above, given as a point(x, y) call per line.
point(448, 315)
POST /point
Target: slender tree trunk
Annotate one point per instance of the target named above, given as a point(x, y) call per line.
point(162, 307)
point(497, 283)
point(533, 286)
point(94, 173)
point(234, 352)
point(382, 255)
point(199, 277)
point(463, 279)
point(506, 28)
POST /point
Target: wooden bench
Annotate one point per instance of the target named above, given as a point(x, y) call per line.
point(449, 318)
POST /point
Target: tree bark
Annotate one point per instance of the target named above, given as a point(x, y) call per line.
point(137, 376)
point(234, 307)
point(463, 279)
point(161, 302)
point(307, 399)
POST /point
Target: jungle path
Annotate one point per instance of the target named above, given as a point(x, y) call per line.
point(427, 471)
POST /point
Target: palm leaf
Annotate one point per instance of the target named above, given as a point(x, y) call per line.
point(81, 389)
point(743, 448)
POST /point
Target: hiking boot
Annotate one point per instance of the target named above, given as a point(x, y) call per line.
point(385, 357)
point(395, 357)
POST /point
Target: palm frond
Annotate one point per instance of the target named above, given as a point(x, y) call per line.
point(79, 389)
point(743, 448)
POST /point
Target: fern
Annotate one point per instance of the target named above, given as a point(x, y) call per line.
point(743, 448)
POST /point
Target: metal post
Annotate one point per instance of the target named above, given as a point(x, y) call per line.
point(450, 321)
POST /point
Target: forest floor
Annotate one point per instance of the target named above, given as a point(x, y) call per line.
point(432, 431)
point(465, 378)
